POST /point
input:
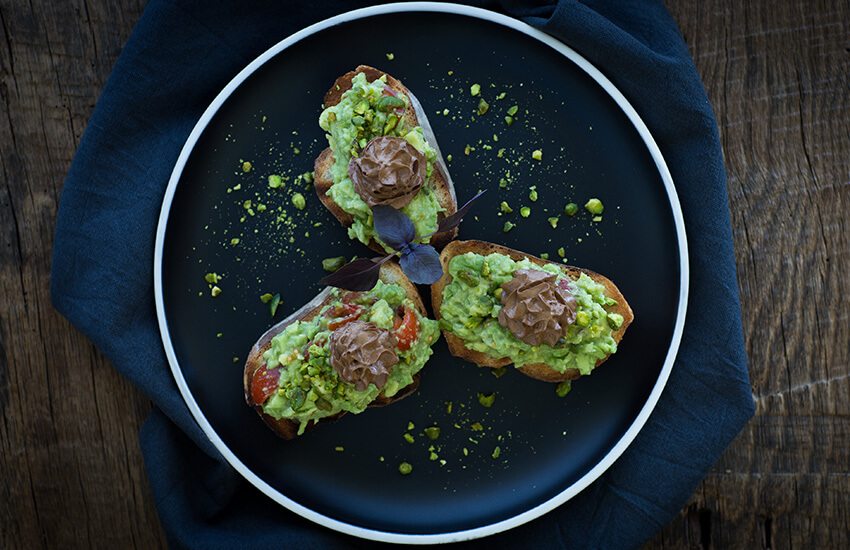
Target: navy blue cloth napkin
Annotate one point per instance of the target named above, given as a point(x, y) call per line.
point(180, 55)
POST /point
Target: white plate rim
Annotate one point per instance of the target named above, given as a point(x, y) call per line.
point(642, 417)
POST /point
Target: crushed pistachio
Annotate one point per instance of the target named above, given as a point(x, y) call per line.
point(537, 154)
point(497, 452)
point(299, 201)
point(408, 437)
point(234, 241)
point(405, 468)
point(212, 278)
point(247, 166)
point(571, 209)
point(332, 264)
point(266, 298)
point(597, 218)
point(561, 252)
point(532, 194)
point(525, 211)
point(275, 181)
point(475, 89)
point(545, 255)
point(594, 206)
point(512, 111)
point(390, 56)
point(499, 372)
point(483, 107)
point(449, 157)
point(504, 207)
point(433, 456)
point(432, 432)
point(507, 227)
point(274, 303)
point(509, 120)
point(562, 389)
point(215, 291)
point(477, 427)
point(339, 448)
point(501, 95)
point(445, 112)
point(486, 401)
point(553, 221)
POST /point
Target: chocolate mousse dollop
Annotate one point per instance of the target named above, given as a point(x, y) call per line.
point(389, 171)
point(362, 353)
point(535, 308)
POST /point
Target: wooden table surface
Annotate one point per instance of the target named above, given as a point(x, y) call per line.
point(778, 76)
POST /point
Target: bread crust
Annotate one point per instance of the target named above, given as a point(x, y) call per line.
point(288, 429)
point(540, 371)
point(443, 186)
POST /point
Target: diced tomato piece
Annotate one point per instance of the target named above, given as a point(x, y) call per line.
point(406, 329)
point(264, 383)
point(344, 314)
point(350, 297)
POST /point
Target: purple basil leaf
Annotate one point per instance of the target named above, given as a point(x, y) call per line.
point(421, 264)
point(361, 274)
point(393, 226)
point(450, 222)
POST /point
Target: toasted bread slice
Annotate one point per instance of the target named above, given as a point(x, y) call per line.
point(288, 429)
point(440, 178)
point(539, 371)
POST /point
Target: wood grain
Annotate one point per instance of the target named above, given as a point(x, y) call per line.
point(778, 76)
point(71, 472)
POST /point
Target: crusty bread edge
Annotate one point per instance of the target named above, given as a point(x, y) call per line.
point(288, 429)
point(440, 177)
point(539, 371)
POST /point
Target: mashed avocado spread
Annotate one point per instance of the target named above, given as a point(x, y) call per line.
point(363, 113)
point(309, 387)
point(471, 305)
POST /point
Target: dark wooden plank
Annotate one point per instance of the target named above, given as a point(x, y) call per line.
point(71, 470)
point(777, 76)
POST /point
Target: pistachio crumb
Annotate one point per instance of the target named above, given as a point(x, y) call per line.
point(486, 401)
point(537, 154)
point(561, 252)
point(299, 201)
point(405, 468)
point(475, 89)
point(507, 227)
point(247, 166)
point(594, 206)
point(215, 291)
point(525, 211)
point(553, 221)
point(390, 56)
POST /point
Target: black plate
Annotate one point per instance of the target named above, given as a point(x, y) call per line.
point(590, 149)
